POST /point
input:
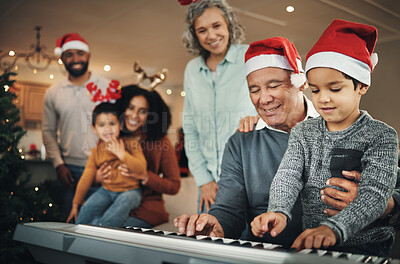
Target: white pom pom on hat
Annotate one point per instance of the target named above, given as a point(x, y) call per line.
point(298, 79)
point(70, 41)
point(374, 59)
point(58, 51)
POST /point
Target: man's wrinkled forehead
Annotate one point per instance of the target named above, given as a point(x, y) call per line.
point(268, 75)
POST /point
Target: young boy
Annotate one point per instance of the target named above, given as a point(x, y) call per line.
point(110, 204)
point(338, 69)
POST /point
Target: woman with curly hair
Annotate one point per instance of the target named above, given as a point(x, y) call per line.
point(216, 90)
point(146, 117)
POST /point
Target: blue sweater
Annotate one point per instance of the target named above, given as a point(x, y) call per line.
point(249, 164)
point(212, 110)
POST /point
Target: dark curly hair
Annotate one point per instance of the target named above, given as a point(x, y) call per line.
point(159, 116)
point(104, 108)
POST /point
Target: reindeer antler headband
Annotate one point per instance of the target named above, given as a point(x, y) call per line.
point(113, 92)
point(154, 79)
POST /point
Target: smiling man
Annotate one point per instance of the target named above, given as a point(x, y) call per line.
point(276, 83)
point(67, 108)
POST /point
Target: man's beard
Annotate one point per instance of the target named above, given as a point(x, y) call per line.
point(77, 73)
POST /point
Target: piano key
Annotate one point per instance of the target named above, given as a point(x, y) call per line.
point(343, 256)
point(305, 251)
point(367, 259)
point(273, 246)
point(228, 240)
point(328, 254)
point(246, 244)
point(234, 243)
point(201, 237)
point(385, 261)
point(257, 245)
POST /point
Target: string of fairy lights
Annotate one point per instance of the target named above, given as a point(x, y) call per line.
point(36, 188)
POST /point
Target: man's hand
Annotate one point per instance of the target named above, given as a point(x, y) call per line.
point(65, 176)
point(321, 236)
point(271, 222)
point(103, 173)
point(203, 224)
point(340, 199)
point(207, 195)
point(247, 123)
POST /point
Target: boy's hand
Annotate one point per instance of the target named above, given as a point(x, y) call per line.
point(268, 222)
point(117, 147)
point(322, 236)
point(73, 214)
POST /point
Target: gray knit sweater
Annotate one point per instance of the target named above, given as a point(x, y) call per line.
point(315, 154)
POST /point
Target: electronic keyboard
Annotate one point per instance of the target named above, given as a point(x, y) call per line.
point(54, 242)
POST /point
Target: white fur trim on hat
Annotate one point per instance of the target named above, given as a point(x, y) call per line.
point(346, 64)
point(75, 44)
point(297, 79)
point(270, 60)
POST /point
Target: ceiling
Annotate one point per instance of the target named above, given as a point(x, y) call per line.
point(121, 32)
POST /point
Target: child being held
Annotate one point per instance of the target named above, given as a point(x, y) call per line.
point(111, 203)
point(338, 70)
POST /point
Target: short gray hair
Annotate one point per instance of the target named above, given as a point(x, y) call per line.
point(190, 41)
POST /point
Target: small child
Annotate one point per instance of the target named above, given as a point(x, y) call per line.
point(338, 69)
point(110, 204)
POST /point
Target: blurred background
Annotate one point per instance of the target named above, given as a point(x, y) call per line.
point(149, 31)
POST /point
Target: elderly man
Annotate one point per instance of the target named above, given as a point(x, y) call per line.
point(68, 108)
point(276, 83)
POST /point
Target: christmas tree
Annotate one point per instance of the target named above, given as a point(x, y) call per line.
point(19, 202)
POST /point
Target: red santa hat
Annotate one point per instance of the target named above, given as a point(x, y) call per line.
point(70, 41)
point(347, 47)
point(275, 52)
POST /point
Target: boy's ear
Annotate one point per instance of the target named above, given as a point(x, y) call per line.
point(363, 89)
point(303, 87)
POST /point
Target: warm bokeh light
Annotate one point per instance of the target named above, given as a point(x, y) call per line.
point(290, 9)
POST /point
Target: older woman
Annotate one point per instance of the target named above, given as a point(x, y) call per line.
point(216, 90)
point(147, 117)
